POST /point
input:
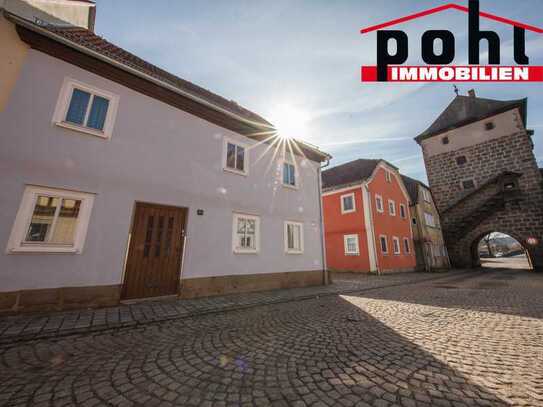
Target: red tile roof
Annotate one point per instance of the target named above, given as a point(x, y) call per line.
point(90, 40)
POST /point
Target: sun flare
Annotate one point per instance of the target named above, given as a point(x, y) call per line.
point(289, 121)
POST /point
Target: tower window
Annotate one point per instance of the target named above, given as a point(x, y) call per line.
point(489, 126)
point(468, 184)
point(445, 140)
point(461, 160)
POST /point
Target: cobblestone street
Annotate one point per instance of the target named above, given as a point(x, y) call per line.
point(467, 339)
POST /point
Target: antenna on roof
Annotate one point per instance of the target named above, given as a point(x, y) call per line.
point(455, 90)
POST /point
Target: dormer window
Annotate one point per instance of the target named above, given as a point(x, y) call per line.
point(445, 140)
point(489, 126)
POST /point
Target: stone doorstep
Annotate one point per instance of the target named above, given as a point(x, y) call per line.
point(18, 335)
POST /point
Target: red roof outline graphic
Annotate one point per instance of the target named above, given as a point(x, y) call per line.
point(446, 7)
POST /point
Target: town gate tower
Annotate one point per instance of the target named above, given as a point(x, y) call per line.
point(484, 176)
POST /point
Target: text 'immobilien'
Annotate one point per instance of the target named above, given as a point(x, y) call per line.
point(456, 73)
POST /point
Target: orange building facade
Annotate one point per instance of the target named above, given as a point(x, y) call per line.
point(366, 218)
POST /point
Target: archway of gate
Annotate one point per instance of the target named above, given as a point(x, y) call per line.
point(498, 250)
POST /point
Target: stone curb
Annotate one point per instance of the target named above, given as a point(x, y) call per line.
point(16, 339)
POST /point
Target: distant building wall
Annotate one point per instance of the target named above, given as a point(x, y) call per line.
point(391, 226)
point(431, 250)
point(78, 13)
point(337, 225)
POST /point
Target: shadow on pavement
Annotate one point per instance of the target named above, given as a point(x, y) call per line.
point(332, 351)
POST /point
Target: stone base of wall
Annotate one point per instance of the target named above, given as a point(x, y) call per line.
point(56, 299)
point(210, 286)
point(351, 271)
point(400, 270)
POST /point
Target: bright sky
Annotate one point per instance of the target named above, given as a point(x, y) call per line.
point(300, 61)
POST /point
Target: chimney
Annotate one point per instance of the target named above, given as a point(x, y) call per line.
point(471, 93)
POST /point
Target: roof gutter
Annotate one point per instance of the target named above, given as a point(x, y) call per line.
point(270, 129)
point(33, 27)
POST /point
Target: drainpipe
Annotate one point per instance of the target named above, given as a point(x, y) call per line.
point(323, 242)
point(366, 194)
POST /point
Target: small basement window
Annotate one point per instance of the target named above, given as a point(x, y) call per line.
point(489, 126)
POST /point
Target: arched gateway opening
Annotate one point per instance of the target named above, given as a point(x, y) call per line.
point(498, 250)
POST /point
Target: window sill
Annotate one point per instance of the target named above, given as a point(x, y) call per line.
point(352, 254)
point(237, 172)
point(44, 250)
point(237, 251)
point(82, 129)
point(347, 212)
point(294, 252)
point(295, 187)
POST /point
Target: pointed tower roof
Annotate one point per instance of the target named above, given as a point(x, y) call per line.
point(468, 109)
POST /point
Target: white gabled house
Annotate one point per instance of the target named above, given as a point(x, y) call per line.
point(121, 181)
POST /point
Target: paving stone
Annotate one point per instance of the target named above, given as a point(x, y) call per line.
point(416, 344)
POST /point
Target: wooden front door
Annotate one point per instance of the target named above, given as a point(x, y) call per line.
point(154, 256)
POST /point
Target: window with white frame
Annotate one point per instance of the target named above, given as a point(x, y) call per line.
point(384, 244)
point(379, 203)
point(388, 176)
point(396, 245)
point(51, 220)
point(406, 246)
point(347, 203)
point(294, 237)
point(351, 245)
point(289, 174)
point(235, 157)
point(429, 219)
point(403, 212)
point(246, 233)
point(85, 108)
point(391, 207)
point(426, 195)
